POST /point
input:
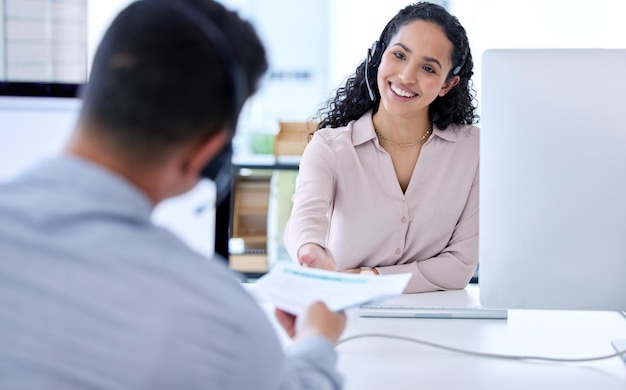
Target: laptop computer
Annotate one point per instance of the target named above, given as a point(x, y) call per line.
point(439, 304)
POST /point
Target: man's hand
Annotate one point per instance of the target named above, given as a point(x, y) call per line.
point(316, 320)
point(314, 256)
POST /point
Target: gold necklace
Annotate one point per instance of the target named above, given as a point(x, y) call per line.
point(419, 141)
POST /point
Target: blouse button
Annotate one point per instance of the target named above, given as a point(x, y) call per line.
point(403, 220)
point(398, 251)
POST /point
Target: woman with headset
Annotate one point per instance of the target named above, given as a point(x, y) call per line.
point(389, 181)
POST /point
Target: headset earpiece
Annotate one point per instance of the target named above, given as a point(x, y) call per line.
point(458, 68)
point(375, 53)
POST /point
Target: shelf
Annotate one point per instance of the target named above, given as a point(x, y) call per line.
point(249, 263)
point(256, 178)
point(249, 221)
point(266, 162)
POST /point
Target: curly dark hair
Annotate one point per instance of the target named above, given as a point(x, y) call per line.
point(458, 106)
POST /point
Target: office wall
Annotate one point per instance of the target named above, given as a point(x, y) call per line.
point(324, 40)
point(2, 42)
point(295, 35)
point(337, 34)
point(312, 45)
point(99, 15)
point(44, 40)
point(540, 24)
point(354, 25)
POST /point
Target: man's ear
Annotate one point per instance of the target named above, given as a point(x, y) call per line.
point(448, 85)
point(204, 151)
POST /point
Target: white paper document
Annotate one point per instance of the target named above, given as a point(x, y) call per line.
point(292, 288)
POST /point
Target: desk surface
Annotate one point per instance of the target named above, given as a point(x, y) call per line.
point(380, 363)
point(266, 161)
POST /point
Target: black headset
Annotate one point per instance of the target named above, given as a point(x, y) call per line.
point(375, 54)
point(219, 170)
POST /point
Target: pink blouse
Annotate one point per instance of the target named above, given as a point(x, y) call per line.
point(349, 201)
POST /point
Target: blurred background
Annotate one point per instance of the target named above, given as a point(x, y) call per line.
point(313, 46)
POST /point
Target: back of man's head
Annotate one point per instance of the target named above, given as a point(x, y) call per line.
point(159, 81)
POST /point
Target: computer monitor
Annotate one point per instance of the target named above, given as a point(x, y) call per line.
point(37, 118)
point(553, 179)
point(35, 121)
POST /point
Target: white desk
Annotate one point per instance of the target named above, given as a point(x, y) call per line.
point(377, 363)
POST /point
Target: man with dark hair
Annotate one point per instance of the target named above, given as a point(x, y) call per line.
point(92, 294)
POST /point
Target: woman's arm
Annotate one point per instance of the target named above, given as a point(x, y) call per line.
point(307, 228)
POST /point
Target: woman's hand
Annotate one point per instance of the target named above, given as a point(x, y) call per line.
point(314, 256)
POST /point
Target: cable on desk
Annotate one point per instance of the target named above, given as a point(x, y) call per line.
point(481, 354)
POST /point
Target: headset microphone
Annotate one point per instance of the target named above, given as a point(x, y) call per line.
point(367, 81)
point(374, 55)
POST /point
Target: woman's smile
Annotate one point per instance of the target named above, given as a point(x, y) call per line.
point(401, 91)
